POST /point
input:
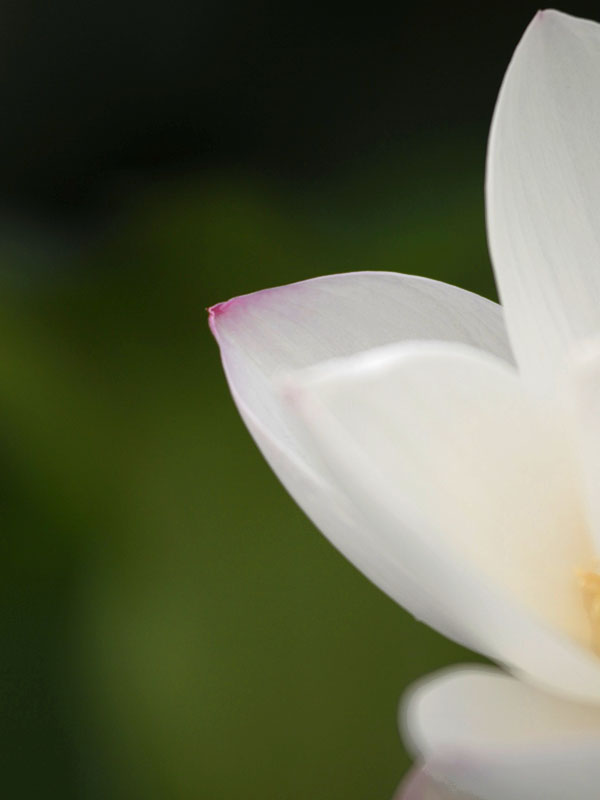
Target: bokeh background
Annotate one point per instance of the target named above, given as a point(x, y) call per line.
point(171, 626)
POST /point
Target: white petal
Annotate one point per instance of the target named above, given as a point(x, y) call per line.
point(421, 785)
point(543, 185)
point(291, 327)
point(585, 385)
point(462, 479)
point(497, 738)
point(277, 330)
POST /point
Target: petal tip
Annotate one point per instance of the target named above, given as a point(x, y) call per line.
point(546, 15)
point(216, 311)
point(242, 301)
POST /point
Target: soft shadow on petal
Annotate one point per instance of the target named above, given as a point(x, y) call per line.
point(494, 737)
point(461, 478)
point(278, 330)
point(542, 189)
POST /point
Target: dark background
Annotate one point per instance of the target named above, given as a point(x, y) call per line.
point(171, 626)
point(93, 92)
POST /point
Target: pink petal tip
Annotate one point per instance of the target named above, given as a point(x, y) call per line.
point(216, 311)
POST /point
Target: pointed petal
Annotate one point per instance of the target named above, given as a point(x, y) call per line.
point(542, 189)
point(463, 481)
point(291, 327)
point(494, 737)
point(274, 331)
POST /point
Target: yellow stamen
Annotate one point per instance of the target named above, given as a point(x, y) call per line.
point(590, 589)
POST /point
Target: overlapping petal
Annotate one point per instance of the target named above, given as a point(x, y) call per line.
point(272, 332)
point(542, 190)
point(458, 475)
point(484, 733)
point(433, 468)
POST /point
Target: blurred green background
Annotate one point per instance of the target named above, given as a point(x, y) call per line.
point(171, 625)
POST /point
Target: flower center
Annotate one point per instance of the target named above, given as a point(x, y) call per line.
point(589, 583)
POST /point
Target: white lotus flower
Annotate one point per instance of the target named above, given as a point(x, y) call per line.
point(465, 485)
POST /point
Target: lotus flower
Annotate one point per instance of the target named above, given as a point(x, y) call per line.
point(450, 447)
